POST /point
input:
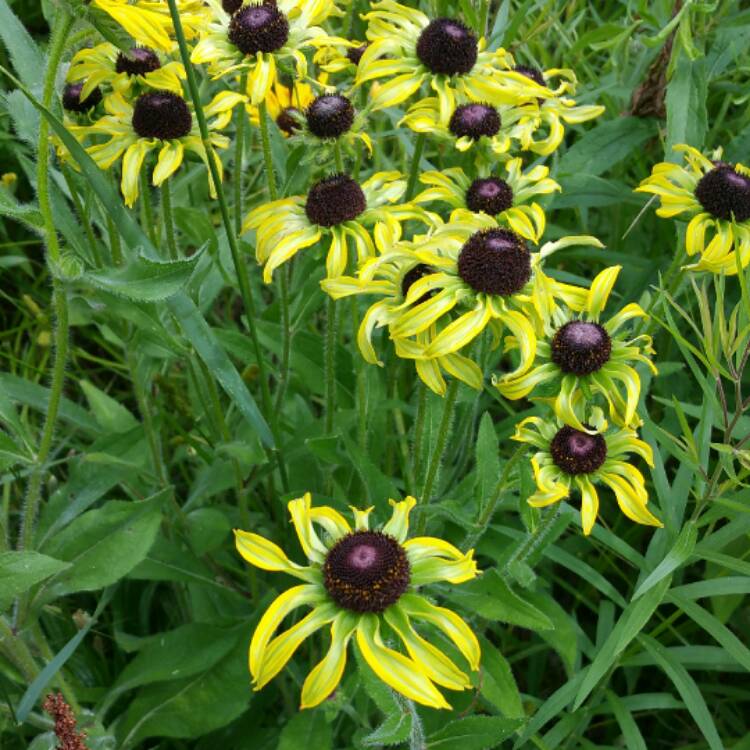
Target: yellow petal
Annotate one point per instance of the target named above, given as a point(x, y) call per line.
point(398, 525)
point(266, 555)
point(299, 509)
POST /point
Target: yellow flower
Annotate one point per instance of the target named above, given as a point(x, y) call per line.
point(505, 198)
point(568, 458)
point(540, 126)
point(336, 206)
point(716, 197)
point(394, 279)
point(579, 356)
point(155, 120)
point(149, 21)
point(257, 36)
point(364, 585)
point(409, 49)
point(106, 64)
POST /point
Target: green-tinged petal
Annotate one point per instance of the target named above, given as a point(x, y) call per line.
point(282, 648)
point(519, 387)
point(601, 288)
point(633, 506)
point(170, 158)
point(361, 517)
point(448, 622)
point(299, 509)
point(326, 675)
point(282, 605)
point(398, 525)
point(420, 547)
point(431, 569)
point(132, 162)
point(331, 520)
point(404, 675)
point(589, 503)
point(266, 555)
point(460, 332)
point(439, 668)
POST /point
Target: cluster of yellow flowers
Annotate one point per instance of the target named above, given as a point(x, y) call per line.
point(449, 266)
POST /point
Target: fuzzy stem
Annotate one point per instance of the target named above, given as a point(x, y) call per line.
point(267, 156)
point(115, 247)
point(147, 209)
point(534, 539)
point(330, 364)
point(166, 210)
point(419, 429)
point(240, 267)
point(239, 151)
point(437, 453)
point(414, 171)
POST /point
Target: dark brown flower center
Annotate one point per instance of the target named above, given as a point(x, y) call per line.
point(447, 46)
point(334, 200)
point(581, 347)
point(71, 98)
point(495, 261)
point(162, 115)
point(330, 115)
point(489, 195)
point(366, 571)
point(577, 452)
point(475, 121)
point(725, 193)
point(258, 28)
point(137, 62)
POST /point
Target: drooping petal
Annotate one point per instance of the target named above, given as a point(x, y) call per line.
point(589, 503)
point(132, 162)
point(281, 606)
point(398, 525)
point(601, 288)
point(631, 504)
point(326, 675)
point(170, 158)
point(402, 674)
point(299, 509)
point(266, 555)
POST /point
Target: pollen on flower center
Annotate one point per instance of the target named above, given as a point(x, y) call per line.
point(577, 452)
point(475, 121)
point(413, 275)
point(447, 46)
point(137, 62)
point(581, 347)
point(495, 261)
point(532, 73)
point(258, 28)
point(334, 200)
point(366, 571)
point(330, 115)
point(71, 98)
point(725, 193)
point(489, 195)
point(162, 115)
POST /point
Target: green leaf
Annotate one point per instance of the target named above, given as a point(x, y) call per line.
point(25, 55)
point(498, 685)
point(630, 732)
point(177, 654)
point(203, 339)
point(144, 280)
point(630, 624)
point(19, 571)
point(488, 460)
point(306, 729)
point(686, 687)
point(191, 707)
point(111, 415)
point(105, 544)
point(473, 733)
point(491, 597)
point(26, 213)
point(207, 528)
point(686, 105)
point(680, 552)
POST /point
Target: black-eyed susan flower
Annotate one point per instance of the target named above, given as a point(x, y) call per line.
point(541, 125)
point(716, 197)
point(363, 583)
point(478, 125)
point(106, 65)
point(285, 105)
point(570, 459)
point(409, 49)
point(76, 102)
point(394, 279)
point(579, 357)
point(149, 21)
point(481, 275)
point(508, 198)
point(335, 206)
point(254, 36)
point(156, 120)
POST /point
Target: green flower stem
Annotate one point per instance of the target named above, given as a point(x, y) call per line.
point(534, 539)
point(115, 247)
point(239, 264)
point(267, 156)
point(166, 210)
point(147, 210)
point(239, 153)
point(484, 13)
point(338, 157)
point(414, 171)
point(62, 26)
point(96, 256)
point(330, 364)
point(437, 453)
point(488, 512)
point(419, 428)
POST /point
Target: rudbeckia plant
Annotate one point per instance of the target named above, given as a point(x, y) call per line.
point(363, 584)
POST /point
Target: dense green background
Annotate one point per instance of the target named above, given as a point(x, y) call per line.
point(627, 639)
